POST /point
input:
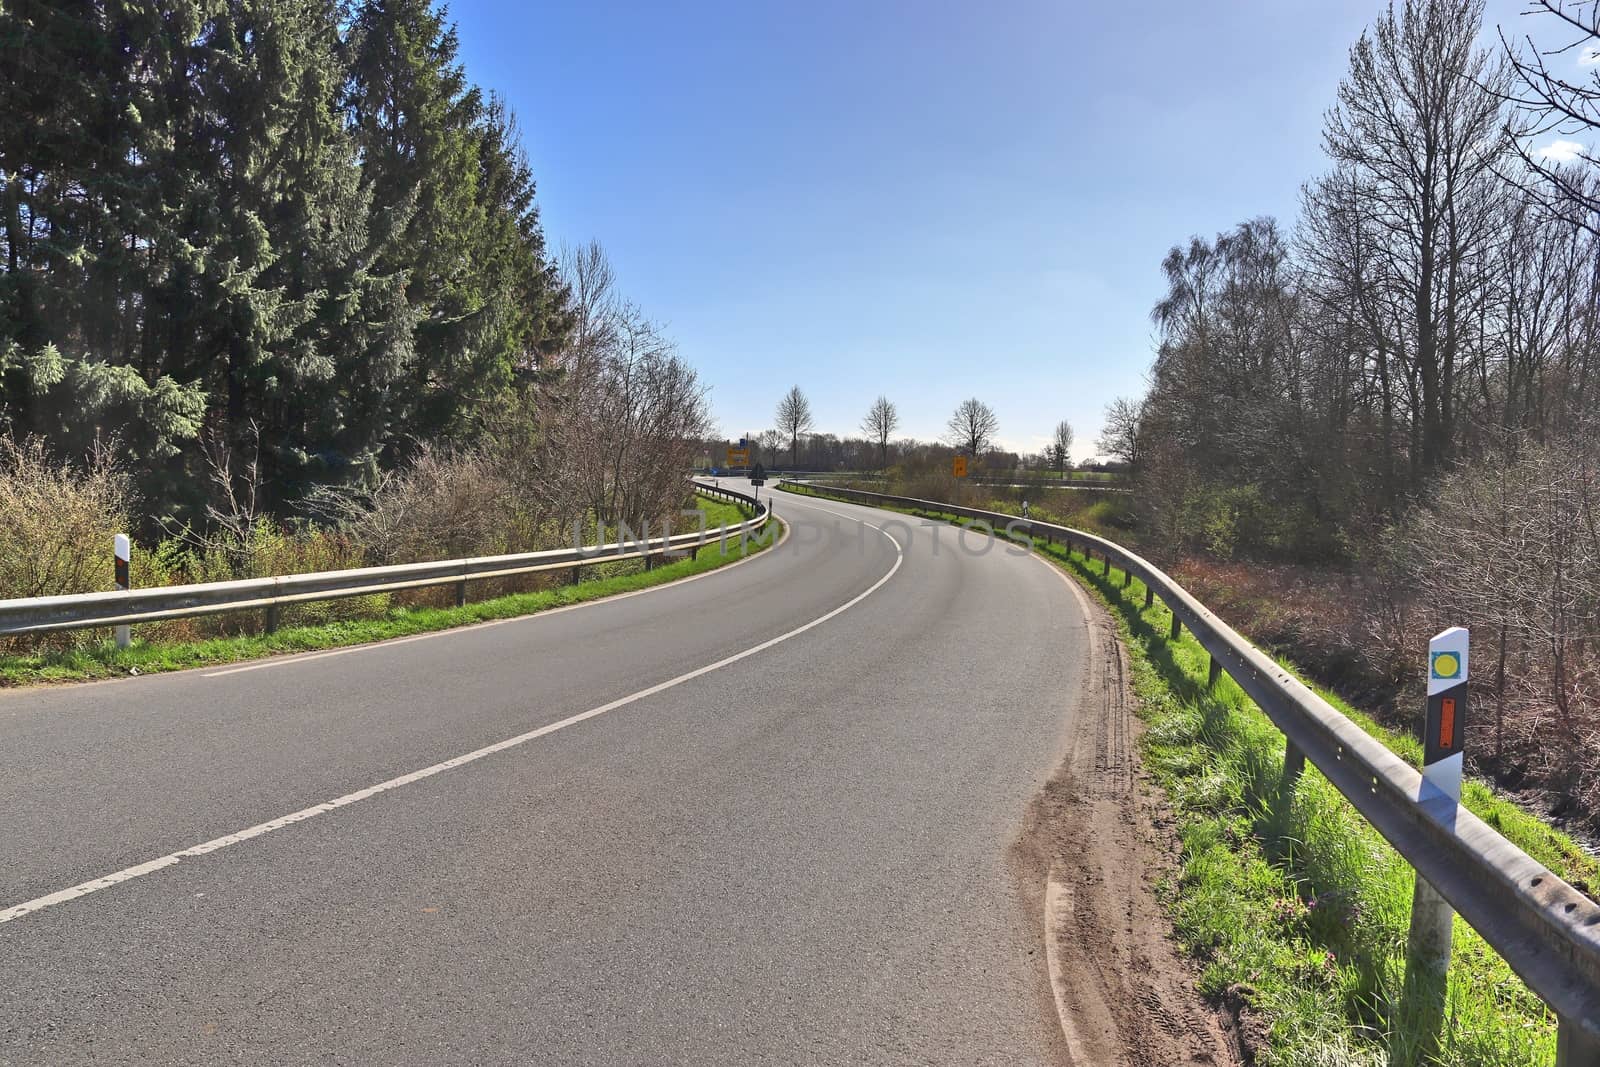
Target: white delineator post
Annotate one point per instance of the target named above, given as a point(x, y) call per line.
point(122, 550)
point(1428, 955)
point(1447, 720)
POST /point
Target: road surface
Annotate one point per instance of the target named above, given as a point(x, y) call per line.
point(762, 816)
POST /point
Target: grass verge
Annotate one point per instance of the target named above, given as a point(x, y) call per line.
point(102, 659)
point(1295, 907)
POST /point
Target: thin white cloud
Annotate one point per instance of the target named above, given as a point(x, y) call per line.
point(1559, 151)
point(1589, 57)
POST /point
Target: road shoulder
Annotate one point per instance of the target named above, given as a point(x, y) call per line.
point(1096, 844)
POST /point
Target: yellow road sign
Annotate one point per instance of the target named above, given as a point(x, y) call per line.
point(958, 466)
point(738, 457)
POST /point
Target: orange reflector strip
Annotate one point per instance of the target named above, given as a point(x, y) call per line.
point(1447, 722)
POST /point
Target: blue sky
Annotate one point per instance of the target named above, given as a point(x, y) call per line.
point(931, 200)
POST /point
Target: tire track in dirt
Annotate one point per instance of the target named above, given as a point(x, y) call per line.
point(1096, 842)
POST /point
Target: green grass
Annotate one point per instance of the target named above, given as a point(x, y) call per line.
point(102, 659)
point(1288, 897)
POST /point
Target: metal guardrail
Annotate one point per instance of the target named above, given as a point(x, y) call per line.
point(120, 608)
point(1547, 931)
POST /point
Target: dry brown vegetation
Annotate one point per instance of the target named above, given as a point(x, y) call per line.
point(602, 435)
point(57, 520)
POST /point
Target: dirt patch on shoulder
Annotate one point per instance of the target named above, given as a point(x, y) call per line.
point(1097, 841)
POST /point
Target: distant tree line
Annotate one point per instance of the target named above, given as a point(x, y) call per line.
point(970, 430)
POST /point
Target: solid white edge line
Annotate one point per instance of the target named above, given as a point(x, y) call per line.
point(128, 874)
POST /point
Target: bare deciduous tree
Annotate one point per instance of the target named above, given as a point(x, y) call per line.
point(770, 443)
point(627, 412)
point(1060, 450)
point(881, 422)
point(592, 287)
point(1563, 105)
point(794, 419)
point(1419, 123)
point(972, 427)
point(235, 504)
point(1119, 434)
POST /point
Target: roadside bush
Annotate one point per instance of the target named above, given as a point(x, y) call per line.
point(445, 504)
point(1510, 547)
point(57, 520)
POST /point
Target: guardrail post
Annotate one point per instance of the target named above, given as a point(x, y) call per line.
point(1428, 960)
point(1213, 672)
point(1575, 1047)
point(1294, 764)
point(576, 577)
point(1127, 579)
point(271, 623)
point(1105, 571)
point(122, 550)
point(461, 593)
point(1149, 597)
point(1177, 628)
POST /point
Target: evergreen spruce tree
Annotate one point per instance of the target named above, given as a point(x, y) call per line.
point(256, 216)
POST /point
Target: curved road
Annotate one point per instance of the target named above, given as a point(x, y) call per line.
point(762, 816)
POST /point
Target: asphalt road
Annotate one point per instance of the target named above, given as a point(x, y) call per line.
point(762, 816)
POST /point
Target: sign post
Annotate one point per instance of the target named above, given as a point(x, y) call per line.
point(1428, 945)
point(122, 550)
point(758, 478)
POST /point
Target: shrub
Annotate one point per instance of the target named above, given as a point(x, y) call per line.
point(446, 504)
point(57, 520)
point(1510, 547)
